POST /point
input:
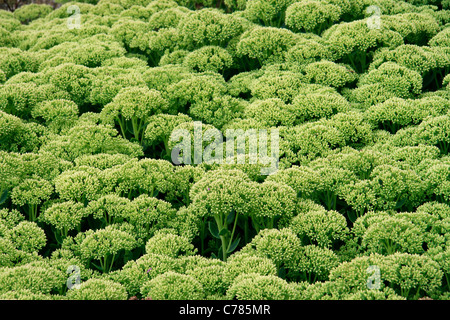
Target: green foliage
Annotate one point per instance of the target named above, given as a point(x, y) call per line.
point(58, 115)
point(159, 129)
point(110, 209)
point(314, 263)
point(264, 45)
point(399, 80)
point(265, 12)
point(170, 245)
point(148, 214)
point(208, 27)
point(92, 120)
point(72, 78)
point(104, 245)
point(98, 289)
point(168, 18)
point(14, 61)
point(64, 217)
point(308, 50)
point(173, 286)
point(269, 112)
point(432, 63)
point(218, 111)
point(89, 52)
point(78, 185)
point(18, 99)
point(280, 246)
point(322, 228)
point(407, 274)
point(27, 236)
point(31, 193)
point(393, 235)
point(136, 272)
point(210, 275)
point(432, 131)
point(354, 43)
point(329, 74)
point(209, 58)
point(35, 277)
point(102, 160)
point(30, 12)
point(318, 105)
point(253, 286)
point(440, 39)
point(446, 81)
point(415, 28)
point(196, 88)
point(122, 110)
point(283, 85)
point(220, 197)
point(245, 263)
point(312, 16)
point(397, 113)
point(88, 138)
point(16, 135)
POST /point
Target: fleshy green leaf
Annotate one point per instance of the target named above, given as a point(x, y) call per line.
point(230, 217)
point(400, 203)
point(214, 230)
point(234, 245)
point(58, 237)
point(282, 273)
point(224, 232)
point(220, 253)
point(4, 196)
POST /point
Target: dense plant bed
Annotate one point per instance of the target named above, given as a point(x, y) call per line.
point(99, 200)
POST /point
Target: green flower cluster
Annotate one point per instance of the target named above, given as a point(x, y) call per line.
point(93, 207)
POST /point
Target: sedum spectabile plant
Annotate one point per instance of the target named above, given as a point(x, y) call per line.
point(348, 100)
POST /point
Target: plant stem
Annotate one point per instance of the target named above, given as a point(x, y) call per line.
point(246, 229)
point(112, 262)
point(416, 296)
point(256, 225)
point(202, 237)
point(219, 224)
point(102, 265)
point(32, 212)
point(448, 280)
point(232, 232)
point(135, 127)
point(121, 125)
point(224, 250)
